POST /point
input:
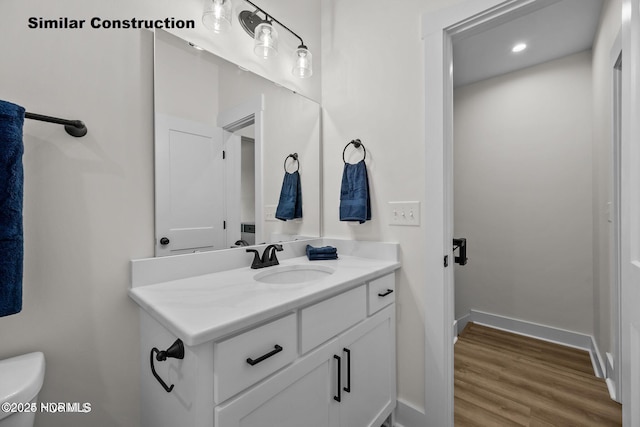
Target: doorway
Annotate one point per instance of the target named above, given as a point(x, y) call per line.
point(523, 185)
point(439, 31)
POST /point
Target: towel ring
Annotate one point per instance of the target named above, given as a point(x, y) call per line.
point(294, 156)
point(356, 143)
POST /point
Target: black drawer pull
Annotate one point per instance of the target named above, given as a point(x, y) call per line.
point(276, 349)
point(338, 397)
point(348, 386)
point(385, 293)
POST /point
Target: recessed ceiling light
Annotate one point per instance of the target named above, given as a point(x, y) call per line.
point(519, 47)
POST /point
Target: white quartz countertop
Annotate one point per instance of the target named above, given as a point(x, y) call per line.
point(207, 307)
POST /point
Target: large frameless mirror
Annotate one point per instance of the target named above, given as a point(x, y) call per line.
point(224, 140)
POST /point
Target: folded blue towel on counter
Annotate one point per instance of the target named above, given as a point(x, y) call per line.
point(321, 250)
point(322, 257)
point(321, 253)
point(355, 202)
point(11, 190)
point(290, 203)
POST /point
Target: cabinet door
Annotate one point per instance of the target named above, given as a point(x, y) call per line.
point(368, 371)
point(300, 395)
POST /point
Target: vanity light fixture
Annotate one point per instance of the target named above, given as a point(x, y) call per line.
point(217, 15)
point(519, 47)
point(266, 39)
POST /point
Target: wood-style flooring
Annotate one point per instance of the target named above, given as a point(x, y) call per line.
point(504, 379)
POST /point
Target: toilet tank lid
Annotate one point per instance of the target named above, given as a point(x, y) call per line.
point(21, 378)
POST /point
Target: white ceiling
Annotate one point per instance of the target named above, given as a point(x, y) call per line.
point(558, 29)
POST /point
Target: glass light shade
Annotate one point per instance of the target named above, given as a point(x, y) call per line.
point(266, 41)
point(217, 15)
point(303, 65)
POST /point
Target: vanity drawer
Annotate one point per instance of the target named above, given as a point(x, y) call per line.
point(382, 292)
point(328, 318)
point(245, 359)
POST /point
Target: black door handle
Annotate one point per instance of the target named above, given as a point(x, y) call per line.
point(276, 349)
point(462, 244)
point(164, 241)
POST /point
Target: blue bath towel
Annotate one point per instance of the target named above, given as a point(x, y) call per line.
point(11, 184)
point(290, 204)
point(355, 203)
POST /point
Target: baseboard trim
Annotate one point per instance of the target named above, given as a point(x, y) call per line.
point(408, 415)
point(539, 331)
point(598, 362)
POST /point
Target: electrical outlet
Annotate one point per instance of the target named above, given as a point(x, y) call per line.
point(404, 213)
point(270, 212)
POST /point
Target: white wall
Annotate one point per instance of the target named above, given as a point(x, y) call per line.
point(610, 23)
point(372, 89)
point(88, 208)
point(185, 80)
point(89, 202)
point(523, 194)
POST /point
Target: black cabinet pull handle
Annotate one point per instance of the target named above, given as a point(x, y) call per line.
point(385, 293)
point(347, 388)
point(338, 397)
point(276, 349)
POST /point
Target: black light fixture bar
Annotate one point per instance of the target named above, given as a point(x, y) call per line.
point(270, 17)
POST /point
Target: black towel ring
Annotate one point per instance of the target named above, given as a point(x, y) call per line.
point(356, 143)
point(294, 156)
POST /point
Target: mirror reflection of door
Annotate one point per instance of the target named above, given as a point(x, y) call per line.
point(248, 185)
point(189, 157)
point(241, 149)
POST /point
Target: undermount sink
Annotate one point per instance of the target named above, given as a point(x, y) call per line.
point(292, 274)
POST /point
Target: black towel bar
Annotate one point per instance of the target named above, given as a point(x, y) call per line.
point(73, 127)
point(356, 143)
point(294, 156)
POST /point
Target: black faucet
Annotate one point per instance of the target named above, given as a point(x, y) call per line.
point(269, 257)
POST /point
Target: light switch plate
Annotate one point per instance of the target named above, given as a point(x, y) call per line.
point(404, 213)
point(270, 212)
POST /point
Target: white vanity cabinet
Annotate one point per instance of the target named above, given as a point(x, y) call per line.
point(329, 363)
point(368, 371)
point(347, 382)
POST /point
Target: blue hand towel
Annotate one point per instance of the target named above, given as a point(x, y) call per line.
point(322, 253)
point(355, 203)
point(324, 250)
point(11, 188)
point(290, 203)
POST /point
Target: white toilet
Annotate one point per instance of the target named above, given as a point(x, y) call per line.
point(21, 379)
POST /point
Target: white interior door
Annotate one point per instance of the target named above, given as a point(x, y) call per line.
point(190, 189)
point(630, 212)
point(233, 186)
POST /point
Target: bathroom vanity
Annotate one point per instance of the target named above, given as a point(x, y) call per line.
point(305, 343)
